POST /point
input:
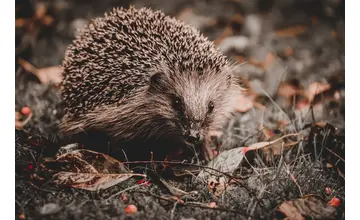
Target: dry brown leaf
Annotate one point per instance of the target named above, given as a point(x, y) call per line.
point(87, 169)
point(46, 75)
point(290, 211)
point(291, 31)
point(308, 206)
point(216, 185)
point(315, 89)
point(92, 181)
point(229, 160)
point(19, 124)
point(267, 132)
point(287, 90)
point(86, 161)
point(259, 145)
point(51, 74)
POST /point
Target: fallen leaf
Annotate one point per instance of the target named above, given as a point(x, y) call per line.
point(290, 211)
point(315, 89)
point(87, 170)
point(267, 132)
point(287, 90)
point(92, 181)
point(229, 160)
point(45, 75)
point(85, 161)
point(216, 185)
point(309, 207)
point(19, 124)
point(51, 74)
point(291, 31)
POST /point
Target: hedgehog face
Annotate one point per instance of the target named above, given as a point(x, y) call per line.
point(196, 104)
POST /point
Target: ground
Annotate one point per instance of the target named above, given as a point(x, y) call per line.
point(292, 55)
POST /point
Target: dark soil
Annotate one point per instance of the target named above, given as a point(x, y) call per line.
point(309, 49)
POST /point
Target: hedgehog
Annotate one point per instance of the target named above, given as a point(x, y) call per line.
point(144, 80)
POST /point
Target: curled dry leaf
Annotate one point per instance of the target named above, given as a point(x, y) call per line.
point(308, 206)
point(46, 75)
point(315, 89)
point(216, 185)
point(290, 211)
point(87, 170)
point(92, 181)
point(229, 160)
point(51, 74)
point(287, 90)
point(19, 124)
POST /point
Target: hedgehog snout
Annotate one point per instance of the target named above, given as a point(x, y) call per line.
point(193, 136)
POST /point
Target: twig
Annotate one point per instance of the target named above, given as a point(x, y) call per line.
point(293, 179)
point(343, 160)
point(127, 189)
point(196, 204)
point(185, 164)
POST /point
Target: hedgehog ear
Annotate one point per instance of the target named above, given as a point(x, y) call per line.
point(157, 82)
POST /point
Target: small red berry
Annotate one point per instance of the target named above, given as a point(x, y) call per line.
point(25, 110)
point(130, 209)
point(334, 202)
point(30, 166)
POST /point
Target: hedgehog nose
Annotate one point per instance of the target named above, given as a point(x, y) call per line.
point(192, 136)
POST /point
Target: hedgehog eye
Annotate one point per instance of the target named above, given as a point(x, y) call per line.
point(176, 102)
point(210, 106)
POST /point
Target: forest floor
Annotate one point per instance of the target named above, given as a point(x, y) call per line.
point(287, 138)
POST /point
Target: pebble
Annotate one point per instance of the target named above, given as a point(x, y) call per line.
point(49, 208)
